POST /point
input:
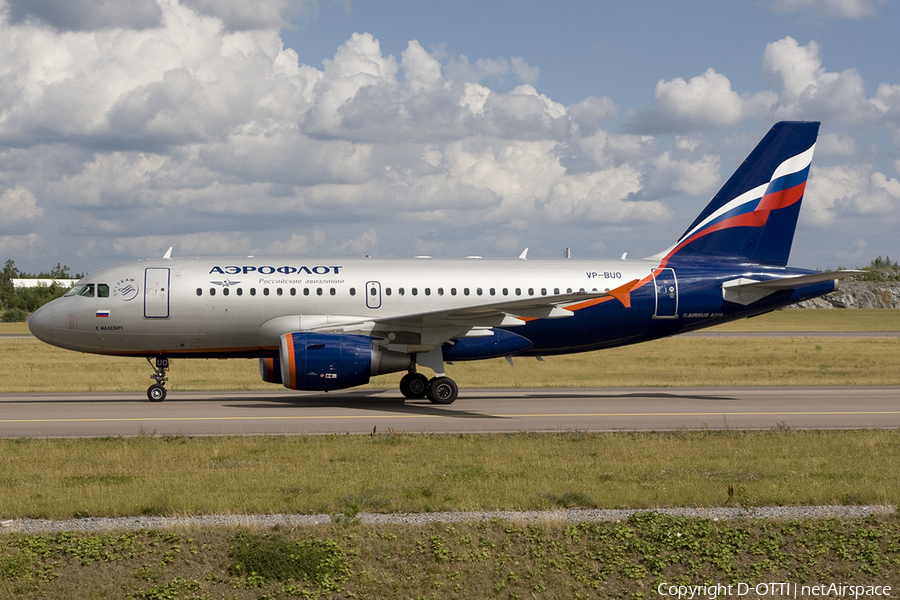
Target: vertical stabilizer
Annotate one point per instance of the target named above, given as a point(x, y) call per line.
point(753, 217)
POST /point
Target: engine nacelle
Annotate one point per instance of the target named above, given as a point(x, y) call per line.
point(322, 361)
point(270, 370)
point(501, 343)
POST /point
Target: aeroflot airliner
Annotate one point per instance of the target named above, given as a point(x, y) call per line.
point(327, 324)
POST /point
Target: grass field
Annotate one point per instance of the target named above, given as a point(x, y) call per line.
point(426, 473)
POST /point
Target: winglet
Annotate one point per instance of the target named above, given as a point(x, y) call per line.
point(524, 254)
point(623, 293)
point(168, 254)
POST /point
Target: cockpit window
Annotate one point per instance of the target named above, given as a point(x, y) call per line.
point(102, 290)
point(84, 289)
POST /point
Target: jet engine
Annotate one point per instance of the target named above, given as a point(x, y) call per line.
point(322, 361)
point(270, 370)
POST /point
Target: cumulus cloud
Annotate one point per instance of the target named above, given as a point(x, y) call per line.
point(838, 195)
point(704, 102)
point(18, 207)
point(203, 132)
point(808, 90)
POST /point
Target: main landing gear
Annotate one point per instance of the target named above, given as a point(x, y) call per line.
point(157, 391)
point(440, 390)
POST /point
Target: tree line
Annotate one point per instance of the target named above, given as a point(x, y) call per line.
point(18, 303)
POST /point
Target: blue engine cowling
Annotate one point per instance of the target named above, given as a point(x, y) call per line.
point(318, 361)
point(323, 361)
point(501, 343)
point(270, 370)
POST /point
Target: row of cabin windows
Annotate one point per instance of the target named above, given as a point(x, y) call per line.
point(278, 291)
point(387, 291)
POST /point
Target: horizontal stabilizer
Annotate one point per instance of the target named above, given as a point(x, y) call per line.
point(747, 291)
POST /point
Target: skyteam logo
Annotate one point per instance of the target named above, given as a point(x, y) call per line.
point(270, 270)
point(126, 289)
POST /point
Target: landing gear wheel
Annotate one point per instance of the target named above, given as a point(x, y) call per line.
point(156, 393)
point(414, 386)
point(442, 390)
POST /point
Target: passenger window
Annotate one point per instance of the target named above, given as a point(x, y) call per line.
point(240, 291)
point(373, 292)
point(252, 291)
point(531, 291)
point(199, 292)
point(427, 291)
point(102, 290)
point(415, 291)
point(293, 291)
point(478, 291)
point(306, 291)
point(400, 291)
point(556, 291)
point(279, 291)
point(265, 291)
point(225, 291)
point(506, 291)
point(440, 291)
point(387, 291)
point(352, 291)
point(318, 291)
point(452, 291)
point(333, 291)
point(465, 291)
point(212, 291)
point(518, 291)
point(493, 292)
point(543, 291)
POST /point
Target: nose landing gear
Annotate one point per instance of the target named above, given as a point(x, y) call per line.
point(157, 391)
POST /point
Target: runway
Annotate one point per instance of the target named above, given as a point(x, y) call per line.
point(476, 410)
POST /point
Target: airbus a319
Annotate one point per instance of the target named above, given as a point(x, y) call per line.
point(327, 324)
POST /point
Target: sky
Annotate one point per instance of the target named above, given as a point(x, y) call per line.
point(400, 128)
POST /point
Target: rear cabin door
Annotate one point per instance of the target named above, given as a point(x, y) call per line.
point(156, 293)
point(666, 294)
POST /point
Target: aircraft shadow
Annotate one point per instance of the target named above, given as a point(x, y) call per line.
point(362, 400)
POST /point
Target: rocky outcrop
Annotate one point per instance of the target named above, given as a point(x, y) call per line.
point(858, 294)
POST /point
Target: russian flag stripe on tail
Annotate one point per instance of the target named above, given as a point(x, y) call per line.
point(753, 217)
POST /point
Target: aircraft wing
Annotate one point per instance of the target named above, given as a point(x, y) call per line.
point(746, 291)
point(420, 332)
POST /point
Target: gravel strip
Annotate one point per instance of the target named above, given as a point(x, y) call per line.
point(101, 524)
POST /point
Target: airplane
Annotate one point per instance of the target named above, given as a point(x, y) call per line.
point(332, 323)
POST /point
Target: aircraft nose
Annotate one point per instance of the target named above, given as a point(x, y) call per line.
point(41, 323)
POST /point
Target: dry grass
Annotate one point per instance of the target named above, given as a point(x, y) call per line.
point(29, 366)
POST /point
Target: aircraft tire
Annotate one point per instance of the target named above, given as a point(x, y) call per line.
point(414, 386)
point(442, 390)
point(156, 393)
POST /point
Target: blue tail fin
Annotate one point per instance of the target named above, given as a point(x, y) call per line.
point(753, 217)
